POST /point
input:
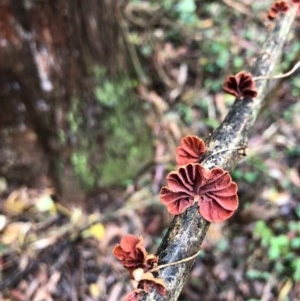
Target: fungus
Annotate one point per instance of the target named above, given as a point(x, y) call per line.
point(218, 197)
point(240, 85)
point(277, 8)
point(148, 281)
point(191, 150)
point(213, 189)
point(133, 295)
point(132, 254)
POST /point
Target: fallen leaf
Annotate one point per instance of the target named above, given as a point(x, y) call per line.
point(94, 290)
point(3, 221)
point(97, 231)
point(15, 233)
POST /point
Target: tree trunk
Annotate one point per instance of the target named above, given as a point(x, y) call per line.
point(59, 62)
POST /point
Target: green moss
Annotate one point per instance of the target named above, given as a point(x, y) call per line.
point(62, 137)
point(80, 162)
point(125, 143)
point(74, 117)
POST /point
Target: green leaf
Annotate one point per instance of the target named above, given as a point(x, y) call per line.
point(278, 246)
point(186, 6)
point(295, 243)
point(256, 274)
point(296, 267)
point(264, 232)
point(251, 176)
point(186, 10)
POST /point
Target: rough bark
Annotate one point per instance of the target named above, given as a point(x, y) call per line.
point(54, 54)
point(187, 231)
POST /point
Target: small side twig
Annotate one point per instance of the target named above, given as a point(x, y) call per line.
point(282, 75)
point(176, 262)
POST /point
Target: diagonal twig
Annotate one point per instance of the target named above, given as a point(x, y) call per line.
point(187, 231)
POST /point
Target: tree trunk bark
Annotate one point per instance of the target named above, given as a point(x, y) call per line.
point(54, 55)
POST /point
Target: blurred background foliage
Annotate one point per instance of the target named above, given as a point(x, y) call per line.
point(115, 134)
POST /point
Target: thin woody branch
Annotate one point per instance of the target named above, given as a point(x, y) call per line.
point(187, 231)
point(282, 75)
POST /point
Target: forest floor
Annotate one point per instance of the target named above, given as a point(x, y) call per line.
point(51, 251)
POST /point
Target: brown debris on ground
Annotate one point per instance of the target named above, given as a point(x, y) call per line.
point(50, 251)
